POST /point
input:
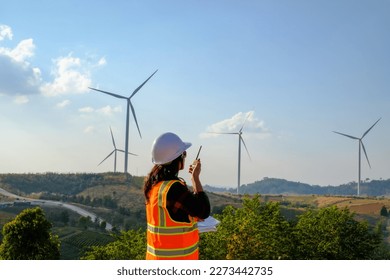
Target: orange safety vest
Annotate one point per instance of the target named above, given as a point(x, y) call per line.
point(168, 239)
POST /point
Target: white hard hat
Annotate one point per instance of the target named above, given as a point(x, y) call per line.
point(168, 147)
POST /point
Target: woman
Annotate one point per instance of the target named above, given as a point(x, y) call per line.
point(172, 210)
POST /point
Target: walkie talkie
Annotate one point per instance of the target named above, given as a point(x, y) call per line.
point(197, 156)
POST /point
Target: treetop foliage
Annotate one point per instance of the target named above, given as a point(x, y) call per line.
point(258, 231)
point(29, 237)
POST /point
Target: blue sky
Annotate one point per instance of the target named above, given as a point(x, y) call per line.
point(298, 69)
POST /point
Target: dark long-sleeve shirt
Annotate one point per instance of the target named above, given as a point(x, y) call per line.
point(181, 202)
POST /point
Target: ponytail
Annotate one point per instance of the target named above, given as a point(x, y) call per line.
point(161, 173)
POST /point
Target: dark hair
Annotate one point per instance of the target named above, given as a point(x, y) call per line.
point(161, 173)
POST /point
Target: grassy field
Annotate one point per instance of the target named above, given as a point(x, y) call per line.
point(359, 205)
point(74, 241)
point(125, 196)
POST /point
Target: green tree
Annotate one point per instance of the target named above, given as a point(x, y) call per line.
point(64, 217)
point(103, 225)
point(129, 245)
point(332, 233)
point(382, 252)
point(29, 237)
point(384, 211)
point(255, 231)
point(85, 222)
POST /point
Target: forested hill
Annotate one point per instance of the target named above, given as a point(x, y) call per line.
point(72, 184)
point(66, 184)
point(281, 186)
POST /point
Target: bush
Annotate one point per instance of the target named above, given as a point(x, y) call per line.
point(28, 237)
point(254, 231)
point(333, 234)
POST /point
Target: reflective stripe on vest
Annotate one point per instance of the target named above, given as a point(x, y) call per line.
point(172, 252)
point(162, 202)
point(167, 238)
point(171, 230)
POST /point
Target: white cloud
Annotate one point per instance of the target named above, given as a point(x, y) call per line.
point(108, 110)
point(102, 61)
point(25, 49)
point(89, 129)
point(63, 103)
point(69, 77)
point(86, 110)
point(245, 121)
point(5, 32)
point(17, 77)
point(22, 99)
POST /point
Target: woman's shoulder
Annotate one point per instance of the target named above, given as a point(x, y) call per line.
point(178, 186)
point(179, 182)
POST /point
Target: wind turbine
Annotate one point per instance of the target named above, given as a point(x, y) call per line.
point(361, 145)
point(114, 152)
point(240, 139)
point(129, 106)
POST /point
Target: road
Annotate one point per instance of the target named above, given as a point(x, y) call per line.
point(41, 202)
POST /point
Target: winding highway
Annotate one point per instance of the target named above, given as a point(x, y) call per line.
point(41, 202)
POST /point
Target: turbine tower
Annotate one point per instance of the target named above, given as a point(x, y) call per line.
point(240, 140)
point(129, 106)
point(114, 152)
point(361, 145)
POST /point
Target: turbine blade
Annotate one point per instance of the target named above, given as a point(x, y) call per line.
point(365, 153)
point(109, 93)
point(138, 88)
point(112, 137)
point(223, 132)
point(135, 118)
point(353, 137)
point(365, 133)
point(243, 142)
point(247, 117)
point(106, 157)
point(122, 151)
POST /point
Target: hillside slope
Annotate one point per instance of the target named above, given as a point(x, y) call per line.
point(282, 186)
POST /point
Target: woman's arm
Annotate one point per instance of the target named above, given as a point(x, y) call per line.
point(181, 202)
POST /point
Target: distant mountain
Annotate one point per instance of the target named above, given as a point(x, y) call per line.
point(282, 186)
point(73, 184)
